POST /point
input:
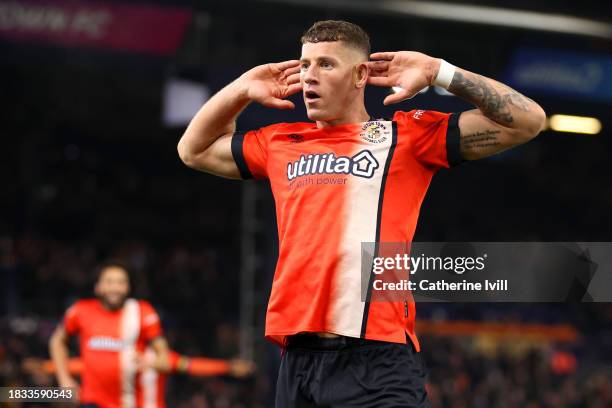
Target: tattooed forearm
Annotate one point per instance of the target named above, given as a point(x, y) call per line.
point(518, 100)
point(496, 104)
point(480, 140)
point(481, 94)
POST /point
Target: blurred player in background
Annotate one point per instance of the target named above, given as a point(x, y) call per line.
point(153, 382)
point(343, 179)
point(113, 332)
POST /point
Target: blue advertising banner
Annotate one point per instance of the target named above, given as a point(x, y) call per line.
point(561, 73)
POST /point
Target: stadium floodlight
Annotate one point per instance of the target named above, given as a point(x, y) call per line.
point(475, 14)
point(574, 124)
point(526, 19)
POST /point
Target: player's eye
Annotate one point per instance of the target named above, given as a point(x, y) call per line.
point(304, 67)
point(326, 64)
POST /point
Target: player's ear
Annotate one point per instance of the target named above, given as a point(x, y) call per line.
point(361, 73)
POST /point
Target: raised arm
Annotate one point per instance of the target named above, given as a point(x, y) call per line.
point(206, 144)
point(504, 117)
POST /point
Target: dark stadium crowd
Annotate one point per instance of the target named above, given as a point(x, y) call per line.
point(178, 232)
point(475, 375)
point(462, 373)
point(198, 307)
point(24, 340)
point(92, 174)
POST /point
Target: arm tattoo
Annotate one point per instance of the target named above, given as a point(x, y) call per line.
point(518, 100)
point(480, 140)
point(491, 102)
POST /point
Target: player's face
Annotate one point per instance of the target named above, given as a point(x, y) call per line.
point(328, 76)
point(113, 287)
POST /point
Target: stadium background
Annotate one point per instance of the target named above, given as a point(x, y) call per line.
point(90, 171)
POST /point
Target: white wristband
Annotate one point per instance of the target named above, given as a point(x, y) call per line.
point(445, 74)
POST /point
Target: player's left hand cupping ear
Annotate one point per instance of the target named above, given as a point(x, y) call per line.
point(409, 71)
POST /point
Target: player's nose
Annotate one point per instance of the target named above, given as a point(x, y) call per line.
point(309, 75)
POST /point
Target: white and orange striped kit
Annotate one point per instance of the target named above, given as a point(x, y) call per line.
point(109, 342)
point(334, 188)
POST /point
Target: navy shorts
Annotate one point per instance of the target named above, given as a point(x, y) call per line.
point(350, 372)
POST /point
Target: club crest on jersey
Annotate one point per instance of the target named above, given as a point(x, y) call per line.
point(362, 164)
point(373, 132)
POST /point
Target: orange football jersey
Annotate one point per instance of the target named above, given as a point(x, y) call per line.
point(108, 343)
point(334, 188)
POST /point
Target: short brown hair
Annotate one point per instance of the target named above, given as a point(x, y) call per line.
point(337, 30)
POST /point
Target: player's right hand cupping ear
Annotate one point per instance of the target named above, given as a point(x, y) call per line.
point(270, 84)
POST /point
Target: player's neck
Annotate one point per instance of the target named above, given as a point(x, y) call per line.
point(357, 116)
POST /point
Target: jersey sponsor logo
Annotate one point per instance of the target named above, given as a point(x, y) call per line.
point(373, 132)
point(105, 343)
point(362, 164)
